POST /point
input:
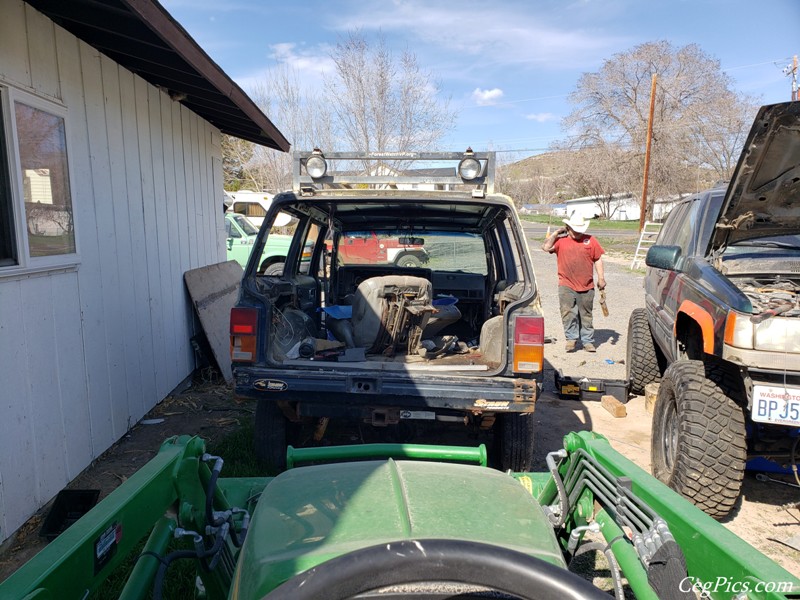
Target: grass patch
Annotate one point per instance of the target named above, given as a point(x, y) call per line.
point(596, 223)
point(236, 449)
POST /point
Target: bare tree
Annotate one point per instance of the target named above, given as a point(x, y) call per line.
point(612, 107)
point(302, 116)
point(525, 186)
point(384, 104)
point(236, 154)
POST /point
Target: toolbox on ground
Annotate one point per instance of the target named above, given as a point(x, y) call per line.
point(583, 388)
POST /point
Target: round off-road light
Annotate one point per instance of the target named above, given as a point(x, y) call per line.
point(316, 167)
point(469, 169)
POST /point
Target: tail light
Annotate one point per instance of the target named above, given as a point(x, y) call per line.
point(528, 344)
point(244, 325)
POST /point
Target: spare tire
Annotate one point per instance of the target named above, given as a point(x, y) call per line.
point(699, 444)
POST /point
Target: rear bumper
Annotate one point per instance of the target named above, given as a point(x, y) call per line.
point(470, 394)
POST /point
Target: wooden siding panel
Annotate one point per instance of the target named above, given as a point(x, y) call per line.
point(183, 316)
point(123, 326)
point(144, 389)
point(170, 254)
point(106, 276)
point(47, 465)
point(42, 51)
point(89, 283)
point(71, 369)
point(14, 43)
point(18, 487)
point(150, 148)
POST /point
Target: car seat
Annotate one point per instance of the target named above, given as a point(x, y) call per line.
point(390, 312)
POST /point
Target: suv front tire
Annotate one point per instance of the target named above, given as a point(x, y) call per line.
point(698, 443)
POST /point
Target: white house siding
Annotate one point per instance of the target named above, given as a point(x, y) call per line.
point(87, 351)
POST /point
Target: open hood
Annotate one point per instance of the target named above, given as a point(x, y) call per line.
point(763, 198)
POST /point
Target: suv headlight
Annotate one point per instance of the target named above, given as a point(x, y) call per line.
point(775, 334)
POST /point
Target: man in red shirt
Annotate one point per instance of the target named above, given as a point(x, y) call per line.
point(578, 256)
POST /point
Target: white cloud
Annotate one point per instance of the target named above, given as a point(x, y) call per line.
point(304, 60)
point(487, 97)
point(509, 33)
point(541, 117)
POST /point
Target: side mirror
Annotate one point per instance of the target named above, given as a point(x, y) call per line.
point(230, 243)
point(663, 257)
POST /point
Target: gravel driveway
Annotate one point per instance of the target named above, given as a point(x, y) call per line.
point(624, 292)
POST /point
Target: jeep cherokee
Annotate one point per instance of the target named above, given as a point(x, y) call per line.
point(458, 337)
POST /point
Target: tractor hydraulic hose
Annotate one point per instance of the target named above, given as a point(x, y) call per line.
point(616, 576)
point(613, 566)
point(211, 489)
point(235, 537)
point(563, 503)
point(626, 557)
point(214, 552)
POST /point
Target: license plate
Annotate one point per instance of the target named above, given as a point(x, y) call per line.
point(426, 415)
point(776, 404)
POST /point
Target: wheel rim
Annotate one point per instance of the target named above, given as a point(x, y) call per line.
point(669, 439)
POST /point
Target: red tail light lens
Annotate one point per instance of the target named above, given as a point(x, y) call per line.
point(528, 344)
point(244, 325)
point(529, 330)
point(244, 321)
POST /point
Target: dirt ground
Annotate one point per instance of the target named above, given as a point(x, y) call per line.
point(207, 409)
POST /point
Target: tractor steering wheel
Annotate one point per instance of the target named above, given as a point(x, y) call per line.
point(418, 561)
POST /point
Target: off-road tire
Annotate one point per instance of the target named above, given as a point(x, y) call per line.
point(641, 358)
point(408, 261)
point(269, 434)
point(514, 433)
point(698, 444)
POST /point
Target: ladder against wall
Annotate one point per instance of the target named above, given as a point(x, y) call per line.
point(646, 239)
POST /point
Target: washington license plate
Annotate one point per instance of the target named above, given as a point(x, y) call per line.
point(776, 404)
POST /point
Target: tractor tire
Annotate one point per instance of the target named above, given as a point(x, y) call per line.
point(269, 434)
point(641, 357)
point(698, 446)
point(408, 261)
point(515, 441)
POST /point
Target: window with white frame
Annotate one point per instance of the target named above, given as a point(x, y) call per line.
point(37, 228)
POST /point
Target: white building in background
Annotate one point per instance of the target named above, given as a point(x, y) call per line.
point(624, 207)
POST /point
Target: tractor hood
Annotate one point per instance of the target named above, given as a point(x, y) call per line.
point(762, 198)
point(309, 515)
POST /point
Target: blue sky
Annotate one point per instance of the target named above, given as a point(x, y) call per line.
point(507, 66)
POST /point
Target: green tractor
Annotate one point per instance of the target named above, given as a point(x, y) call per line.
point(400, 521)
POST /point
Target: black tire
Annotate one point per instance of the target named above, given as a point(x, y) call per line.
point(515, 441)
point(699, 446)
point(408, 261)
point(641, 358)
point(269, 434)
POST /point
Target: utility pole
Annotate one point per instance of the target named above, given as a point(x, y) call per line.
point(643, 209)
point(791, 71)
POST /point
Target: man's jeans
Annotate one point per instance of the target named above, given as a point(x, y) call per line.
point(576, 314)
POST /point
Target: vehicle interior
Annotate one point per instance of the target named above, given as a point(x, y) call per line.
point(474, 272)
